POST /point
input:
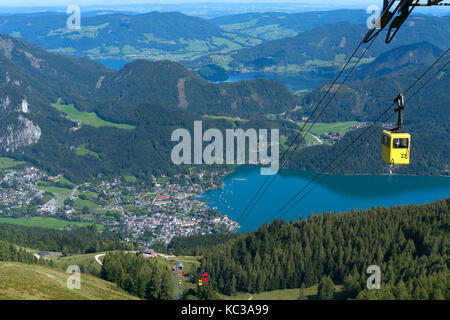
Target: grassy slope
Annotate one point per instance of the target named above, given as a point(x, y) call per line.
point(82, 151)
point(44, 222)
point(321, 128)
point(64, 192)
point(87, 118)
point(7, 163)
point(34, 282)
point(286, 294)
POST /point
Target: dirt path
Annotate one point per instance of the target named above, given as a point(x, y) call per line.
point(97, 258)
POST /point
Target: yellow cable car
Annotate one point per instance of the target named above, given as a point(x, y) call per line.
point(395, 148)
point(396, 143)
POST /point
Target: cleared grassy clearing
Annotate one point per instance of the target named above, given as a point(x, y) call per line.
point(80, 203)
point(64, 192)
point(83, 151)
point(130, 179)
point(8, 163)
point(321, 128)
point(87, 118)
point(46, 222)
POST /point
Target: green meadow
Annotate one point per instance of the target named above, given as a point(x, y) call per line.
point(64, 192)
point(321, 128)
point(83, 151)
point(87, 118)
point(44, 222)
point(7, 163)
point(130, 179)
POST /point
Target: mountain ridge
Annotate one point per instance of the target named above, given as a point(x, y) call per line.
point(154, 35)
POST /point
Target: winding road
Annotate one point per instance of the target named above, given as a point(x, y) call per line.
point(97, 258)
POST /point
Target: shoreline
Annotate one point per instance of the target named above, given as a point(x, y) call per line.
point(337, 175)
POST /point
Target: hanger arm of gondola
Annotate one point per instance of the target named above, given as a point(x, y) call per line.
point(394, 15)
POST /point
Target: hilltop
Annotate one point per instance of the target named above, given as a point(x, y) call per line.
point(178, 89)
point(400, 58)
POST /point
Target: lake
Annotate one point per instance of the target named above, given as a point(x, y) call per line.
point(335, 193)
point(113, 64)
point(300, 81)
point(294, 82)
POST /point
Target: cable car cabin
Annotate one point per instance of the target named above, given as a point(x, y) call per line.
point(395, 147)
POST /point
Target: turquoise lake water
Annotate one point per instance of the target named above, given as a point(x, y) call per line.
point(113, 64)
point(335, 193)
point(292, 81)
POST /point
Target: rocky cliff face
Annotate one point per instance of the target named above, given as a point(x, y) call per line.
point(19, 133)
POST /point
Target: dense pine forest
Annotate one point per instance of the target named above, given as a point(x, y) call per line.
point(410, 244)
point(10, 252)
point(196, 245)
point(79, 240)
point(139, 276)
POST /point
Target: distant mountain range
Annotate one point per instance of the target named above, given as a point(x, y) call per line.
point(234, 41)
point(153, 35)
point(325, 48)
point(277, 25)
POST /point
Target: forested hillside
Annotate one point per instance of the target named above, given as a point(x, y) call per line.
point(51, 104)
point(276, 25)
point(80, 240)
point(323, 49)
point(142, 277)
point(409, 244)
point(400, 58)
point(152, 35)
point(10, 252)
point(425, 117)
point(175, 87)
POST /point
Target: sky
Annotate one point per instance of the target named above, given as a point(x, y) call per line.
point(34, 3)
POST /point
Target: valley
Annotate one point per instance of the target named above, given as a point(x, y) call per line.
point(88, 133)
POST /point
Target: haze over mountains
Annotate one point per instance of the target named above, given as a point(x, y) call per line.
point(153, 35)
point(325, 48)
point(276, 25)
point(135, 109)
